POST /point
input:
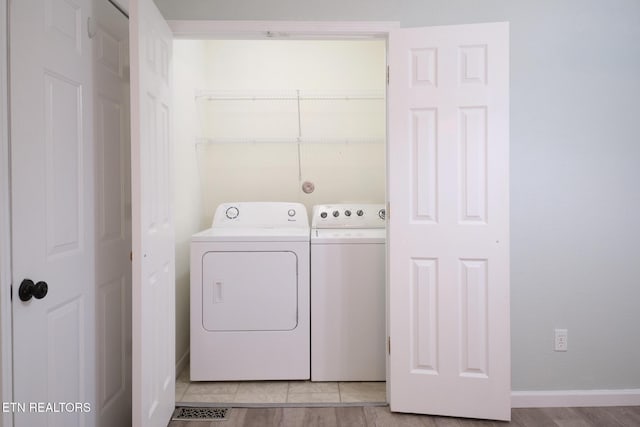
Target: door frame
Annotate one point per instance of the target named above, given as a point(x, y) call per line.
point(299, 30)
point(287, 30)
point(6, 354)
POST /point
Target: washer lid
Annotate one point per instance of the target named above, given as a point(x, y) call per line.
point(255, 234)
point(348, 236)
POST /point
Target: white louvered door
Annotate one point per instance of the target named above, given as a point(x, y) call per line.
point(448, 175)
point(153, 306)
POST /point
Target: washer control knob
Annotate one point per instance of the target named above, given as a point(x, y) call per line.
point(232, 212)
point(382, 213)
point(292, 212)
point(323, 214)
point(347, 212)
point(360, 212)
point(336, 214)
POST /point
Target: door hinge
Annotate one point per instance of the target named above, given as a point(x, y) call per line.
point(387, 75)
point(389, 345)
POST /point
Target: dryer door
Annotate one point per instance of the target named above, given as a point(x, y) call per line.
point(250, 291)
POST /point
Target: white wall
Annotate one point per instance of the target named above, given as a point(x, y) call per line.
point(574, 170)
point(189, 74)
point(269, 171)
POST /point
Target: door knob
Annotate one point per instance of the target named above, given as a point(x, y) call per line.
point(40, 290)
point(28, 289)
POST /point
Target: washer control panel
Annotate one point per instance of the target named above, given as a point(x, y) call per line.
point(357, 215)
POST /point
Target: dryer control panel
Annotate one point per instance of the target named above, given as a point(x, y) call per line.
point(353, 215)
point(260, 215)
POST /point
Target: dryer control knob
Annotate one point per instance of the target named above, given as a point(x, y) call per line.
point(347, 212)
point(323, 214)
point(336, 214)
point(360, 212)
point(382, 213)
point(232, 212)
point(292, 212)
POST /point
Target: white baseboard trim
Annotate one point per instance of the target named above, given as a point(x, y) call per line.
point(182, 363)
point(575, 398)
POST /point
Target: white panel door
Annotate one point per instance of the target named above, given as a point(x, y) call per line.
point(153, 302)
point(110, 29)
point(52, 175)
point(448, 174)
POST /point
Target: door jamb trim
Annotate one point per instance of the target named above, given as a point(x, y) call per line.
point(6, 325)
point(282, 30)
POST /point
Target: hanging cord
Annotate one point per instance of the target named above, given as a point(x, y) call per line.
point(299, 137)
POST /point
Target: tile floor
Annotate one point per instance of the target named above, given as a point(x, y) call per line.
point(277, 391)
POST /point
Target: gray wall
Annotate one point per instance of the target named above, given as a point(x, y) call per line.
point(575, 167)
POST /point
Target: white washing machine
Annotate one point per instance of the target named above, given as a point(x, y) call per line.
point(250, 294)
point(348, 293)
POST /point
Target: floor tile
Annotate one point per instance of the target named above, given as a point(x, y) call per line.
point(278, 391)
point(263, 387)
point(208, 398)
point(218, 387)
point(183, 377)
point(260, 397)
point(312, 387)
point(180, 389)
point(363, 397)
point(313, 397)
point(357, 386)
point(352, 392)
point(262, 392)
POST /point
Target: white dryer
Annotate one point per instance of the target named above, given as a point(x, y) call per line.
point(250, 294)
point(348, 293)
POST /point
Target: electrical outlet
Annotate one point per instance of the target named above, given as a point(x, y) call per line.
point(560, 340)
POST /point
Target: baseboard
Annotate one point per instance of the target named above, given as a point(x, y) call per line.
point(182, 363)
point(574, 398)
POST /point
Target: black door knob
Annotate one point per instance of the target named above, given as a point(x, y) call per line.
point(40, 290)
point(28, 289)
point(25, 292)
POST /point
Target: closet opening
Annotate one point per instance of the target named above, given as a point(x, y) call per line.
point(274, 120)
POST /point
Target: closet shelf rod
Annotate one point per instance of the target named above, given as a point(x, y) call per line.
point(222, 96)
point(290, 140)
point(302, 98)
